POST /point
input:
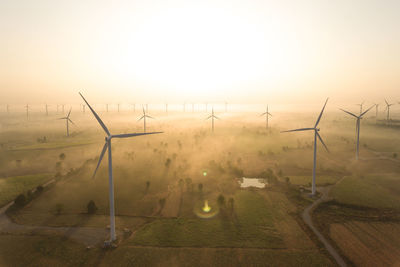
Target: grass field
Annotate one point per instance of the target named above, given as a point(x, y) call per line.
point(376, 191)
point(11, 187)
point(321, 180)
point(254, 227)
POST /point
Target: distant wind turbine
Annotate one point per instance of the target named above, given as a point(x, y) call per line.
point(192, 107)
point(166, 108)
point(226, 106)
point(118, 106)
point(67, 120)
point(47, 110)
point(316, 134)
point(144, 119)
point(361, 105)
point(212, 117)
point(357, 126)
point(27, 111)
point(8, 109)
point(106, 107)
point(388, 110)
point(267, 114)
point(107, 145)
point(63, 108)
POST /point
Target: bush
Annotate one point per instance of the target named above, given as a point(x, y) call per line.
point(61, 156)
point(59, 208)
point(221, 200)
point(91, 207)
point(39, 188)
point(20, 200)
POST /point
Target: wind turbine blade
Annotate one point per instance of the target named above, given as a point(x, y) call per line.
point(62, 118)
point(69, 112)
point(386, 102)
point(133, 134)
point(263, 114)
point(320, 139)
point(209, 117)
point(298, 130)
point(320, 115)
point(150, 117)
point(349, 113)
point(96, 116)
point(141, 118)
point(71, 121)
point(216, 117)
point(270, 114)
point(366, 111)
point(143, 110)
point(101, 157)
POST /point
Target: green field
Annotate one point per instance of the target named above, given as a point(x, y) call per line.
point(11, 187)
point(375, 191)
point(254, 227)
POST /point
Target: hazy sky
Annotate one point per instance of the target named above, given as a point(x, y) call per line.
point(239, 51)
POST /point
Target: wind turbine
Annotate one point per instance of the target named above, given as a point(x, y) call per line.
point(144, 119)
point(63, 108)
point(8, 109)
point(357, 126)
point(47, 111)
point(212, 116)
point(147, 107)
point(226, 106)
point(134, 107)
point(166, 108)
point(27, 111)
point(118, 107)
point(361, 105)
point(107, 108)
point(67, 120)
point(192, 107)
point(267, 114)
point(316, 134)
point(388, 109)
point(107, 145)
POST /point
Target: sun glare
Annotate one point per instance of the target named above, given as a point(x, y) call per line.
point(197, 50)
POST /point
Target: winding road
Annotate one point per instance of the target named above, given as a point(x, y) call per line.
point(306, 215)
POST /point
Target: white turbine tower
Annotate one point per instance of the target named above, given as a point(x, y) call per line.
point(316, 134)
point(107, 145)
point(144, 119)
point(67, 120)
point(388, 110)
point(27, 111)
point(267, 114)
point(47, 110)
point(357, 126)
point(212, 117)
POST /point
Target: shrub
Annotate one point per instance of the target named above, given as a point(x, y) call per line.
point(20, 200)
point(221, 200)
point(91, 207)
point(61, 156)
point(59, 208)
point(39, 188)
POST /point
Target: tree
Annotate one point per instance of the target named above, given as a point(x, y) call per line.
point(91, 207)
point(287, 179)
point(161, 201)
point(59, 208)
point(181, 183)
point(20, 200)
point(147, 185)
point(221, 200)
point(167, 163)
point(39, 189)
point(200, 187)
point(61, 156)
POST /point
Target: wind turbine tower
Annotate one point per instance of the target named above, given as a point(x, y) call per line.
point(67, 120)
point(316, 135)
point(144, 119)
point(388, 110)
point(212, 117)
point(267, 114)
point(359, 117)
point(107, 146)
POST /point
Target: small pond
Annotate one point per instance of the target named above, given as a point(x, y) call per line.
point(252, 182)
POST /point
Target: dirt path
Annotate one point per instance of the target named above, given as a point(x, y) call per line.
point(306, 215)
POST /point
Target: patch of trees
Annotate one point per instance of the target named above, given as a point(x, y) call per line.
point(91, 207)
point(23, 199)
point(42, 139)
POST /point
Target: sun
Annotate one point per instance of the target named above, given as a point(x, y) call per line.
point(195, 51)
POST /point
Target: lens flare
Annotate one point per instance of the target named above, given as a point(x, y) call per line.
point(206, 208)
